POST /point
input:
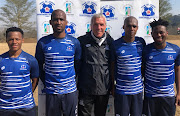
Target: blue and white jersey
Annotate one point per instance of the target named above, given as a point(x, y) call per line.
point(159, 69)
point(15, 81)
point(56, 57)
point(128, 58)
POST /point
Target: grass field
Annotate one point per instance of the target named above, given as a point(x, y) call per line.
point(30, 45)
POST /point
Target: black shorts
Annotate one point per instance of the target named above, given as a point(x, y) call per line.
point(159, 106)
point(128, 104)
point(57, 104)
point(18, 112)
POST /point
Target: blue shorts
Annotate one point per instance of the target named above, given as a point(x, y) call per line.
point(159, 106)
point(18, 112)
point(58, 104)
point(128, 104)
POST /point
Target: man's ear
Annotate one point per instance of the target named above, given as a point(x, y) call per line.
point(23, 40)
point(66, 22)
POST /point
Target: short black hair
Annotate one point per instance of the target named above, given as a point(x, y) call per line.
point(13, 29)
point(159, 22)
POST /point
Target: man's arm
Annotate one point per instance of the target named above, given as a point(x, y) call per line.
point(39, 55)
point(77, 59)
point(34, 83)
point(112, 77)
point(177, 81)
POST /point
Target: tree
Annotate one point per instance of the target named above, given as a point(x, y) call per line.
point(164, 8)
point(17, 13)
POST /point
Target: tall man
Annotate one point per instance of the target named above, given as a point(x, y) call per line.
point(128, 57)
point(94, 78)
point(17, 69)
point(162, 68)
point(56, 55)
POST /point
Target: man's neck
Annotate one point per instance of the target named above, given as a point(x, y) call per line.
point(162, 46)
point(128, 39)
point(92, 34)
point(14, 54)
point(59, 35)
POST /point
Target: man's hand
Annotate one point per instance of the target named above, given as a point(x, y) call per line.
point(178, 100)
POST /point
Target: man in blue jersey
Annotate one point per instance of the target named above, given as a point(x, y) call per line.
point(17, 69)
point(94, 82)
point(57, 55)
point(128, 57)
point(162, 68)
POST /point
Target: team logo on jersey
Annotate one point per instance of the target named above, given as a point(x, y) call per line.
point(89, 8)
point(150, 57)
point(69, 48)
point(3, 67)
point(170, 57)
point(148, 30)
point(139, 49)
point(69, 6)
point(23, 67)
point(70, 28)
point(88, 45)
point(128, 9)
point(46, 7)
point(49, 48)
point(123, 51)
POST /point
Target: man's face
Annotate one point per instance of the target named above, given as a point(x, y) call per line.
point(14, 41)
point(130, 27)
point(98, 27)
point(58, 21)
point(159, 34)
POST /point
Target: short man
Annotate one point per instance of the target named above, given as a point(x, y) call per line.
point(128, 58)
point(162, 67)
point(56, 55)
point(94, 81)
point(17, 69)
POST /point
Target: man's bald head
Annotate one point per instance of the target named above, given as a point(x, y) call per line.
point(58, 11)
point(130, 18)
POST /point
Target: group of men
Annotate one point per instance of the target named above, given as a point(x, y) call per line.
point(99, 65)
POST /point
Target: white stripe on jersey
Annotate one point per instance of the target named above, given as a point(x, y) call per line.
point(16, 76)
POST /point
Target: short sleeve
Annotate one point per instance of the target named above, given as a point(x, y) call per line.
point(177, 61)
point(34, 68)
point(77, 50)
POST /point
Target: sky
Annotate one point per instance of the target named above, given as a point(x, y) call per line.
point(175, 7)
